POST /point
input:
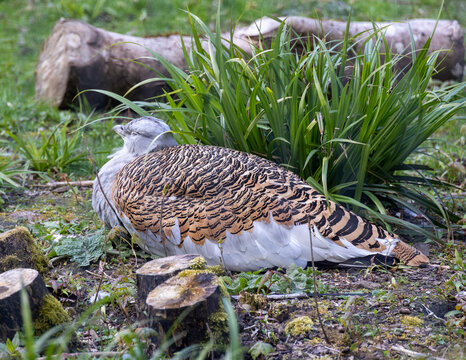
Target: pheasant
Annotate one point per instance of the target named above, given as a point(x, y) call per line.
point(231, 207)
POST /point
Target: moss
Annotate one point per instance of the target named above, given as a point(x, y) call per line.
point(255, 301)
point(218, 324)
point(198, 263)
point(411, 321)
point(18, 248)
point(190, 272)
point(208, 270)
point(217, 269)
point(299, 326)
point(9, 262)
point(51, 314)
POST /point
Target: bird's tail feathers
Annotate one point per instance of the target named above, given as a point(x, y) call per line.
point(409, 255)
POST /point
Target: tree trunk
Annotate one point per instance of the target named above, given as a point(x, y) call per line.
point(193, 299)
point(78, 56)
point(11, 283)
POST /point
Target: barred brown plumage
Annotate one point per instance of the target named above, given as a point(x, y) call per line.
point(220, 202)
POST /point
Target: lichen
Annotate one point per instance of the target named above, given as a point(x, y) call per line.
point(411, 321)
point(51, 314)
point(299, 326)
point(20, 249)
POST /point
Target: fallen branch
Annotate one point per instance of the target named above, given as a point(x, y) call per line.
point(303, 296)
point(56, 184)
point(414, 354)
point(91, 354)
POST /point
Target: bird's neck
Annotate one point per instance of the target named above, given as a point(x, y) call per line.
point(102, 192)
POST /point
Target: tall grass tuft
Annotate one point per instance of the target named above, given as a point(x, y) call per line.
point(50, 151)
point(344, 121)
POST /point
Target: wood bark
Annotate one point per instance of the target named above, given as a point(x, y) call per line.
point(11, 283)
point(189, 299)
point(155, 272)
point(78, 56)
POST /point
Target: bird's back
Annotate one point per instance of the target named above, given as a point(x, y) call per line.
point(212, 196)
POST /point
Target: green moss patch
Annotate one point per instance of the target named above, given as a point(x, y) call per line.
point(300, 326)
point(19, 249)
point(51, 314)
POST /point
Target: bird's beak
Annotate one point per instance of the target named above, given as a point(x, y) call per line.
point(119, 129)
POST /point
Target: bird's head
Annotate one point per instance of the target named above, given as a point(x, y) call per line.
point(145, 134)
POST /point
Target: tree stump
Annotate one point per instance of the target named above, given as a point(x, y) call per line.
point(193, 298)
point(11, 283)
point(18, 249)
point(155, 272)
point(78, 56)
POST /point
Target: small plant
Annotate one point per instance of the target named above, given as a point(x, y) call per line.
point(295, 279)
point(10, 173)
point(53, 153)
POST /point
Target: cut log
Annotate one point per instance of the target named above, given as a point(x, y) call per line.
point(155, 272)
point(447, 38)
point(194, 299)
point(78, 56)
point(11, 283)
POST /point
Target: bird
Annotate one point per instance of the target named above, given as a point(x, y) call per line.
point(233, 208)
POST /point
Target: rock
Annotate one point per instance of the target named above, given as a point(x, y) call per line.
point(368, 284)
point(404, 310)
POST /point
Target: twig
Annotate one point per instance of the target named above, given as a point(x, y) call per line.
point(431, 313)
point(99, 275)
point(92, 354)
point(101, 279)
point(55, 184)
point(316, 294)
point(412, 353)
point(303, 295)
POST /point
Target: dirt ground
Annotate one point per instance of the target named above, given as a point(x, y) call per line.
point(371, 313)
